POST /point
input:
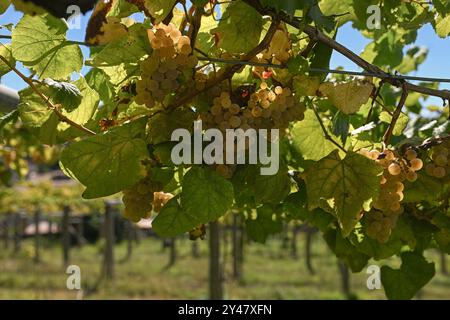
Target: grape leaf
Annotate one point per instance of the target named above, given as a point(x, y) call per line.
point(349, 184)
point(108, 162)
point(158, 9)
point(442, 26)
point(347, 96)
point(98, 81)
point(206, 194)
point(40, 43)
point(64, 93)
point(425, 188)
point(239, 29)
point(306, 85)
point(344, 250)
point(266, 188)
point(264, 225)
point(403, 283)
point(163, 124)
point(83, 113)
point(36, 116)
point(128, 49)
point(5, 52)
point(309, 140)
point(173, 220)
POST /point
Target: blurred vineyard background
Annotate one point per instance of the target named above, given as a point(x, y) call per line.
point(121, 260)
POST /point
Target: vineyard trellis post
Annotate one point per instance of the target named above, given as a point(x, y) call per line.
point(37, 236)
point(215, 268)
point(65, 235)
point(108, 229)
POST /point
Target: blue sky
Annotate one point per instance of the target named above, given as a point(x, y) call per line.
point(437, 64)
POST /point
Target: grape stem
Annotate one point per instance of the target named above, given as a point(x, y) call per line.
point(317, 35)
point(325, 132)
point(47, 101)
point(396, 115)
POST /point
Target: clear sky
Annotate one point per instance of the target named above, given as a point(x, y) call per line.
point(437, 64)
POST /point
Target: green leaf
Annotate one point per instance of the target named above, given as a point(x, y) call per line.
point(414, 273)
point(425, 188)
point(344, 250)
point(173, 220)
point(36, 116)
point(8, 118)
point(385, 51)
point(239, 29)
point(40, 43)
point(109, 162)
point(348, 97)
point(306, 85)
point(163, 124)
point(297, 65)
point(64, 93)
point(98, 81)
point(347, 185)
point(267, 188)
point(308, 138)
point(5, 52)
point(400, 125)
point(83, 113)
point(442, 26)
point(341, 126)
point(206, 194)
point(264, 225)
point(321, 56)
point(159, 9)
point(128, 49)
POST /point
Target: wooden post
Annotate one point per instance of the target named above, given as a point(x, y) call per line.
point(195, 249)
point(215, 272)
point(37, 236)
point(80, 232)
point(294, 242)
point(443, 263)
point(129, 232)
point(18, 231)
point(6, 225)
point(109, 243)
point(345, 279)
point(308, 244)
point(238, 246)
point(65, 235)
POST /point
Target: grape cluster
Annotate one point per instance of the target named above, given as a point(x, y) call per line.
point(379, 225)
point(439, 166)
point(267, 108)
point(278, 52)
point(139, 198)
point(160, 199)
point(387, 207)
point(168, 67)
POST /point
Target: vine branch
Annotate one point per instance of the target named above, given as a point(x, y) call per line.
point(317, 35)
point(322, 70)
point(49, 104)
point(396, 115)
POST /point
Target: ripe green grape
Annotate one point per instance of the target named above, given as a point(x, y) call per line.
point(394, 169)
